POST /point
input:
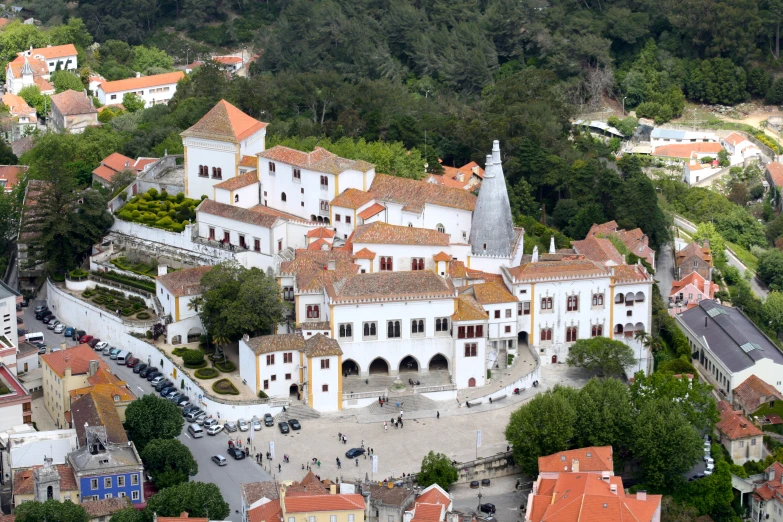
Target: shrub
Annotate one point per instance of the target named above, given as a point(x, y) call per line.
point(262, 394)
point(153, 193)
point(225, 387)
point(146, 197)
point(180, 197)
point(78, 273)
point(206, 373)
point(179, 352)
point(148, 334)
point(193, 357)
point(143, 315)
point(135, 214)
point(226, 367)
point(59, 277)
point(126, 312)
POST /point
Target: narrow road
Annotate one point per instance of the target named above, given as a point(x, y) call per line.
point(664, 271)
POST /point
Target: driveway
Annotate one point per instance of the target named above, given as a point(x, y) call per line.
point(664, 271)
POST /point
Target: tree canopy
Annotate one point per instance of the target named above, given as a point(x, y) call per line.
point(436, 468)
point(169, 462)
point(151, 417)
point(51, 511)
point(197, 498)
point(602, 355)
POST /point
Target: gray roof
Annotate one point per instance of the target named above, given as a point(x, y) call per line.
point(671, 134)
point(7, 291)
point(600, 126)
point(730, 335)
point(29, 449)
point(492, 229)
point(116, 458)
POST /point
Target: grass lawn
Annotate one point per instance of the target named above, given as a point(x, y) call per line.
point(765, 410)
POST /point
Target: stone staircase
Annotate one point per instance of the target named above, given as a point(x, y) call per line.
point(407, 403)
point(297, 411)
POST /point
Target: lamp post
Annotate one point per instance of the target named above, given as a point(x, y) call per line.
point(187, 55)
point(624, 97)
point(479, 497)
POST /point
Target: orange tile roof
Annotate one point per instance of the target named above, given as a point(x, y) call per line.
point(775, 170)
point(695, 279)
point(594, 458)
point(269, 512)
point(319, 244)
point(734, 425)
point(364, 253)
point(489, 293)
point(110, 390)
point(312, 503)
point(322, 232)
point(319, 160)
point(71, 102)
point(55, 51)
point(76, 357)
point(753, 392)
point(557, 269)
point(104, 376)
point(228, 60)
point(419, 284)
point(457, 269)
point(11, 174)
point(253, 216)
point(433, 496)
point(428, 512)
point(468, 309)
point(183, 517)
point(438, 179)
point(44, 85)
point(104, 172)
point(352, 198)
point(598, 249)
point(248, 161)
point(238, 182)
point(385, 234)
point(225, 122)
point(771, 488)
point(24, 484)
point(17, 105)
point(413, 194)
point(39, 67)
point(310, 268)
point(685, 150)
point(629, 273)
point(143, 82)
point(372, 210)
point(118, 162)
point(441, 256)
point(184, 282)
point(735, 138)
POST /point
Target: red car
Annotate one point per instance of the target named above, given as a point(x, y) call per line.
point(92, 341)
point(85, 339)
point(132, 362)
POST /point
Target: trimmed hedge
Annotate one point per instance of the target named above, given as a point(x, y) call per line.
point(78, 274)
point(159, 210)
point(141, 284)
point(262, 394)
point(225, 387)
point(143, 315)
point(202, 364)
point(225, 368)
point(179, 352)
point(193, 357)
point(206, 373)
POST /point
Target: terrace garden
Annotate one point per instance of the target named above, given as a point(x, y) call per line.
point(130, 306)
point(160, 210)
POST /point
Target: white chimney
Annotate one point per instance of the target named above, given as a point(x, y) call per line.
point(138, 75)
point(245, 337)
point(551, 244)
point(641, 495)
point(605, 476)
point(574, 465)
point(534, 259)
point(707, 289)
point(613, 488)
point(332, 265)
point(460, 177)
point(163, 270)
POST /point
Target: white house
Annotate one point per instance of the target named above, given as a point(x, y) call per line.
point(153, 89)
point(660, 137)
point(729, 348)
point(34, 66)
point(176, 291)
point(740, 148)
point(694, 171)
point(398, 248)
point(215, 148)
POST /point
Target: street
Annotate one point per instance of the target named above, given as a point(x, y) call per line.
point(501, 492)
point(664, 271)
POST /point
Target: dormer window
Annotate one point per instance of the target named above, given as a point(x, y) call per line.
point(298, 174)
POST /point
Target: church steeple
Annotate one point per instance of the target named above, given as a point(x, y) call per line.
point(26, 69)
point(492, 227)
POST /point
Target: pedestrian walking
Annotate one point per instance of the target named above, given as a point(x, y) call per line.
point(437, 414)
point(279, 468)
point(385, 427)
point(362, 444)
point(339, 436)
point(400, 413)
point(319, 463)
point(357, 463)
point(345, 439)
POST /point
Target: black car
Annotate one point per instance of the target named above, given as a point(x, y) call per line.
point(354, 452)
point(283, 427)
point(139, 368)
point(237, 453)
point(188, 409)
point(21, 331)
point(41, 316)
point(294, 424)
point(165, 383)
point(77, 334)
point(151, 375)
point(49, 319)
point(269, 420)
point(487, 508)
point(25, 303)
point(146, 371)
point(165, 391)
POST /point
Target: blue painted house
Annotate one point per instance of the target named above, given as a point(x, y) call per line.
point(106, 469)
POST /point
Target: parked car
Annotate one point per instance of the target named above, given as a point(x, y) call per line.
point(201, 418)
point(139, 367)
point(220, 460)
point(92, 343)
point(294, 424)
point(48, 318)
point(78, 334)
point(69, 331)
point(173, 394)
point(187, 410)
point(209, 422)
point(51, 325)
point(41, 308)
point(214, 429)
point(85, 339)
point(105, 351)
point(146, 371)
point(243, 425)
point(283, 427)
point(193, 414)
point(164, 383)
point(157, 379)
point(487, 508)
point(59, 328)
point(42, 349)
point(133, 361)
point(269, 420)
point(183, 401)
point(354, 452)
point(25, 302)
point(708, 472)
point(166, 390)
point(113, 353)
point(21, 332)
point(237, 453)
point(100, 346)
point(256, 424)
point(230, 426)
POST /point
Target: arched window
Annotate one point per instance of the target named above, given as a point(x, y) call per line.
point(219, 173)
point(346, 330)
point(619, 299)
point(571, 334)
point(598, 299)
point(597, 330)
point(618, 329)
point(573, 303)
point(214, 172)
point(546, 303)
point(417, 326)
point(410, 225)
point(236, 198)
point(441, 325)
point(393, 329)
point(441, 228)
point(639, 297)
point(282, 197)
point(546, 334)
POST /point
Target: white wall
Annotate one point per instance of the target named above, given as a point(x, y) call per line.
point(150, 98)
point(401, 254)
point(8, 319)
point(280, 387)
point(235, 229)
point(330, 400)
point(247, 365)
point(465, 368)
point(10, 416)
point(212, 153)
point(456, 222)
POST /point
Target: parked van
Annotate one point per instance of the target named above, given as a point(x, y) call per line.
point(35, 337)
point(195, 431)
point(123, 357)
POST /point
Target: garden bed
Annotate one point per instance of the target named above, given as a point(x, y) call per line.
point(225, 387)
point(144, 269)
point(160, 210)
point(206, 373)
point(135, 282)
point(226, 367)
point(113, 300)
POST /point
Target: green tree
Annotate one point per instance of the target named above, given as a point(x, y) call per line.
point(436, 468)
point(132, 102)
point(770, 269)
point(710, 493)
point(16, 37)
point(73, 32)
point(145, 58)
point(600, 354)
point(169, 462)
point(604, 414)
point(40, 102)
point(197, 498)
point(671, 511)
point(7, 156)
point(773, 310)
point(128, 515)
point(50, 511)
point(717, 243)
point(151, 418)
point(64, 80)
point(666, 444)
point(723, 158)
point(543, 426)
point(692, 397)
point(718, 80)
point(238, 300)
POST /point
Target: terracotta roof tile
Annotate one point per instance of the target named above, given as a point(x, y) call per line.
point(698, 282)
point(104, 172)
point(44, 85)
point(468, 309)
point(775, 170)
point(685, 150)
point(364, 253)
point(249, 161)
point(184, 282)
point(276, 343)
point(457, 269)
point(311, 268)
point(108, 390)
point(352, 198)
point(489, 293)
point(629, 273)
point(753, 392)
point(228, 60)
point(76, 357)
point(319, 160)
point(279, 214)
point(413, 194)
point(143, 82)
point(396, 497)
point(24, 482)
point(269, 512)
point(441, 256)
point(55, 51)
point(38, 66)
point(372, 210)
point(183, 517)
point(71, 102)
point(312, 503)
point(598, 249)
point(315, 325)
point(319, 244)
point(320, 346)
point(106, 506)
point(95, 409)
point(238, 182)
point(735, 138)
point(225, 122)
point(255, 491)
point(694, 249)
point(428, 512)
point(321, 232)
point(595, 458)
point(734, 425)
point(16, 105)
point(252, 216)
point(557, 270)
point(433, 496)
point(11, 174)
point(382, 233)
point(771, 488)
point(420, 284)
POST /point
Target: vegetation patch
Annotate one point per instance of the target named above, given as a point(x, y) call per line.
point(113, 300)
point(145, 269)
point(179, 352)
point(206, 373)
point(225, 367)
point(159, 210)
point(225, 387)
point(143, 315)
point(78, 274)
point(135, 282)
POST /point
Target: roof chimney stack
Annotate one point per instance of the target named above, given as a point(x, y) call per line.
point(613, 488)
point(332, 265)
point(93, 368)
point(575, 465)
point(641, 495)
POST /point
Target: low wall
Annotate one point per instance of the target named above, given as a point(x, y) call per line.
point(446, 395)
point(92, 282)
point(499, 465)
point(359, 403)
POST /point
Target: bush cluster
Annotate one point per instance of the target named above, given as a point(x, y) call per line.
point(226, 367)
point(141, 284)
point(206, 373)
point(113, 300)
point(225, 387)
point(160, 210)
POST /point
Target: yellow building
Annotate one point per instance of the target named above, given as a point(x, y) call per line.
point(67, 370)
point(109, 385)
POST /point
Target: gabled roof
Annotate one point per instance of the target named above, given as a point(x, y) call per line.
point(24, 484)
point(269, 512)
point(735, 138)
point(244, 215)
point(319, 160)
point(313, 503)
point(753, 392)
point(11, 174)
point(238, 182)
point(413, 194)
point(16, 105)
point(255, 491)
point(694, 249)
point(96, 409)
point(321, 346)
point(321, 232)
point(382, 233)
point(37, 66)
point(105, 507)
point(468, 309)
point(419, 284)
point(591, 459)
point(142, 82)
point(598, 249)
point(77, 358)
point(224, 122)
point(352, 198)
point(733, 425)
point(685, 150)
point(365, 253)
point(695, 279)
point(773, 486)
point(489, 293)
point(54, 51)
point(543, 270)
point(775, 170)
point(71, 103)
point(441, 256)
point(311, 268)
point(184, 282)
point(434, 495)
point(372, 210)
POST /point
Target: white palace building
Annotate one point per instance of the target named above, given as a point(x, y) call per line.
point(391, 276)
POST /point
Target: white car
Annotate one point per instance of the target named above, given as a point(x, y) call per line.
point(243, 425)
point(101, 346)
point(215, 429)
point(60, 328)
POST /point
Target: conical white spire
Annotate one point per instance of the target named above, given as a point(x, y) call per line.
point(534, 258)
point(26, 69)
point(492, 228)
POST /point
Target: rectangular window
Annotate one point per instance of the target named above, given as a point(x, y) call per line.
point(325, 388)
point(288, 357)
point(279, 245)
point(291, 519)
point(113, 96)
point(257, 245)
point(106, 482)
point(350, 518)
point(121, 481)
point(266, 384)
point(313, 311)
point(271, 168)
point(348, 219)
point(108, 495)
point(479, 330)
point(471, 332)
point(298, 174)
point(226, 237)
point(93, 483)
point(497, 314)
point(242, 241)
point(461, 332)
point(471, 349)
point(287, 376)
point(508, 329)
point(270, 359)
point(134, 479)
point(324, 364)
point(337, 217)
point(324, 182)
point(274, 378)
point(525, 308)
point(752, 442)
point(508, 313)
point(332, 518)
point(572, 304)
point(134, 495)
point(386, 264)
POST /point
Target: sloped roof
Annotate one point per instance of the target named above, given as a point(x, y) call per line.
point(143, 82)
point(76, 357)
point(269, 512)
point(413, 194)
point(468, 309)
point(16, 105)
point(734, 425)
point(97, 409)
point(775, 170)
point(598, 249)
point(320, 346)
point(594, 458)
point(244, 215)
point(489, 293)
point(382, 233)
point(11, 174)
point(70, 103)
point(352, 198)
point(372, 210)
point(24, 484)
point(769, 489)
point(310, 268)
point(441, 256)
point(276, 343)
point(753, 391)
point(37, 66)
point(685, 150)
point(694, 249)
point(735, 138)
point(695, 279)
point(321, 232)
point(557, 269)
point(254, 491)
point(238, 182)
point(433, 495)
point(55, 51)
point(184, 282)
point(419, 284)
point(105, 507)
point(319, 160)
point(225, 122)
point(312, 503)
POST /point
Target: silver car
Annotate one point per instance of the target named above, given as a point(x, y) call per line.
point(256, 424)
point(209, 422)
point(220, 460)
point(230, 426)
point(243, 425)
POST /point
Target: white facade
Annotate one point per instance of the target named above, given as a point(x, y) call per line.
point(324, 393)
point(203, 158)
point(660, 136)
point(694, 172)
point(245, 197)
point(740, 149)
point(453, 221)
point(154, 90)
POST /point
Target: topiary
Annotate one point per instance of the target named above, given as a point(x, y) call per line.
point(143, 315)
point(193, 357)
point(262, 394)
point(135, 214)
point(206, 373)
point(180, 197)
point(153, 193)
point(226, 367)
